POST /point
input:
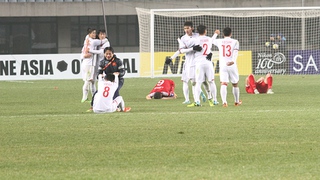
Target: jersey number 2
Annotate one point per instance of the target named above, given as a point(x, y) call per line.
point(106, 91)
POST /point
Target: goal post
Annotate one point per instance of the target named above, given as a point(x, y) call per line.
point(278, 40)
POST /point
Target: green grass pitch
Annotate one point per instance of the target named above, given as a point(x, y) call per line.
point(45, 133)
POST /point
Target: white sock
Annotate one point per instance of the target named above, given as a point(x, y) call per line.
point(193, 92)
point(197, 92)
point(223, 93)
point(213, 88)
point(207, 88)
point(236, 94)
point(93, 87)
point(185, 88)
point(85, 90)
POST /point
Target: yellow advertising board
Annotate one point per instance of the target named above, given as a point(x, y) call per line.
point(244, 63)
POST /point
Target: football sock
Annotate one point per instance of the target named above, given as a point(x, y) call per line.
point(269, 81)
point(85, 90)
point(197, 92)
point(223, 93)
point(236, 93)
point(213, 88)
point(185, 88)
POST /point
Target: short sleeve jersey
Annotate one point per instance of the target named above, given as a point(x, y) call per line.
point(104, 97)
point(165, 86)
point(226, 48)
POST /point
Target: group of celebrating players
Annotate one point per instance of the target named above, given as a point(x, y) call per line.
point(99, 60)
point(198, 69)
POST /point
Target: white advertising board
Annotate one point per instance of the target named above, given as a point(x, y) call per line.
point(54, 66)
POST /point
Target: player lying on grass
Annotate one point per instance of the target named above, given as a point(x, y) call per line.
point(103, 99)
point(262, 85)
point(164, 89)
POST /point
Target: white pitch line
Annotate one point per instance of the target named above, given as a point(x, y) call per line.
point(151, 113)
point(20, 81)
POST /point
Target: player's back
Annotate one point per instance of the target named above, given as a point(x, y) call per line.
point(226, 46)
point(164, 85)
point(206, 43)
point(104, 97)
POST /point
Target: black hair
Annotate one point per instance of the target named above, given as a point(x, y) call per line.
point(201, 29)
point(90, 30)
point(227, 31)
point(101, 31)
point(157, 95)
point(188, 23)
point(109, 77)
point(108, 48)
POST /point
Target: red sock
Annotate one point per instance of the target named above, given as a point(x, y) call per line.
point(269, 81)
point(252, 83)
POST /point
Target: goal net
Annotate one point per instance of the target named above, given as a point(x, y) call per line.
point(276, 40)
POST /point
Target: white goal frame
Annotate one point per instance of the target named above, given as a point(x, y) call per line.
point(287, 12)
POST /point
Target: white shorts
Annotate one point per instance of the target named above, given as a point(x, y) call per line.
point(229, 74)
point(188, 73)
point(204, 71)
point(110, 109)
point(87, 72)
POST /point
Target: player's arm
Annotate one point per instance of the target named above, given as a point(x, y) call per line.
point(181, 45)
point(173, 97)
point(122, 70)
point(214, 37)
point(150, 96)
point(194, 48)
point(116, 78)
point(93, 51)
point(98, 42)
point(234, 54)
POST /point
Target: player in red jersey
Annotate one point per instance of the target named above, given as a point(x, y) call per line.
point(164, 89)
point(262, 85)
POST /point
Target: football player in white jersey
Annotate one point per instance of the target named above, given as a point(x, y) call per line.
point(188, 74)
point(87, 65)
point(103, 100)
point(99, 52)
point(204, 68)
point(228, 54)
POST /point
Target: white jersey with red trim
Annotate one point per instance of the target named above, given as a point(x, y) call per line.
point(103, 99)
point(228, 50)
point(189, 42)
point(206, 43)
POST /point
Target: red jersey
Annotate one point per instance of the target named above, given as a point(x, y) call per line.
point(165, 86)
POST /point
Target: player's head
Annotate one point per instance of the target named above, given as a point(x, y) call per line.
point(109, 77)
point(89, 30)
point(188, 23)
point(188, 27)
point(92, 33)
point(227, 32)
point(157, 95)
point(108, 52)
point(101, 34)
point(202, 29)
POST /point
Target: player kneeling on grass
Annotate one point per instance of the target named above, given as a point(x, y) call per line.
point(164, 89)
point(262, 85)
point(103, 100)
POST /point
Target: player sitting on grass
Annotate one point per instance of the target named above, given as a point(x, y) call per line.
point(103, 99)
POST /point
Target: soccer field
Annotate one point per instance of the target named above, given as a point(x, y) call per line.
point(46, 133)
